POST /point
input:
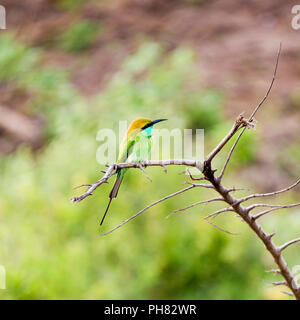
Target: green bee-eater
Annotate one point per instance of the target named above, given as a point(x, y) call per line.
point(135, 147)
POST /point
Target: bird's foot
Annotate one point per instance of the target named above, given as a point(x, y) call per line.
point(140, 165)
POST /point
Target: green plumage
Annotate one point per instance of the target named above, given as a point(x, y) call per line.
point(135, 148)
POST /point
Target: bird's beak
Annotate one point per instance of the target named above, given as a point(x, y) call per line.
point(156, 121)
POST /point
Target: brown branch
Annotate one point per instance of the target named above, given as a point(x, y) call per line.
point(257, 229)
point(113, 167)
point(224, 141)
point(242, 211)
point(94, 186)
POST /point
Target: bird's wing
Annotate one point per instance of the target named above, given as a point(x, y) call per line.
point(126, 147)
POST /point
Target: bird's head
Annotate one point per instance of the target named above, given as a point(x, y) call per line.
point(143, 124)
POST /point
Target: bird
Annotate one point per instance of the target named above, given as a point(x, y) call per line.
point(135, 148)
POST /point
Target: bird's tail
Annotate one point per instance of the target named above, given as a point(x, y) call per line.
point(114, 192)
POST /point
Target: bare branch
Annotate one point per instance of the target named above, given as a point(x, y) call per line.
point(214, 214)
point(83, 185)
point(192, 178)
point(113, 167)
point(203, 185)
point(256, 205)
point(251, 117)
point(287, 244)
point(279, 283)
point(230, 153)
point(161, 163)
point(221, 229)
point(146, 208)
point(276, 271)
point(95, 185)
point(220, 146)
point(274, 208)
point(288, 293)
point(270, 87)
point(194, 204)
point(275, 283)
point(257, 195)
point(236, 189)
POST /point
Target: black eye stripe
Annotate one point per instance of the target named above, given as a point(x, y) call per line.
point(147, 125)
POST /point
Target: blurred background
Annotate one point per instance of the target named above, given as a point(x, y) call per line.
point(71, 67)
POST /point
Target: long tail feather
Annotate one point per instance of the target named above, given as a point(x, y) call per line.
point(113, 194)
point(105, 211)
point(115, 189)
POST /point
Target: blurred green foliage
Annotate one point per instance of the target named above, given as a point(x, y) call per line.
point(247, 149)
point(15, 59)
point(204, 110)
point(48, 88)
point(195, 2)
point(69, 4)
point(49, 246)
point(78, 36)
point(290, 159)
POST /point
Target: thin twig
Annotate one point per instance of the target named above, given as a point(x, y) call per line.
point(216, 213)
point(192, 178)
point(237, 189)
point(257, 205)
point(274, 208)
point(270, 87)
point(252, 115)
point(221, 229)
point(288, 293)
point(203, 185)
point(230, 153)
point(95, 185)
point(113, 167)
point(279, 283)
point(194, 204)
point(287, 244)
point(146, 208)
point(83, 185)
point(258, 195)
point(275, 271)
point(223, 142)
